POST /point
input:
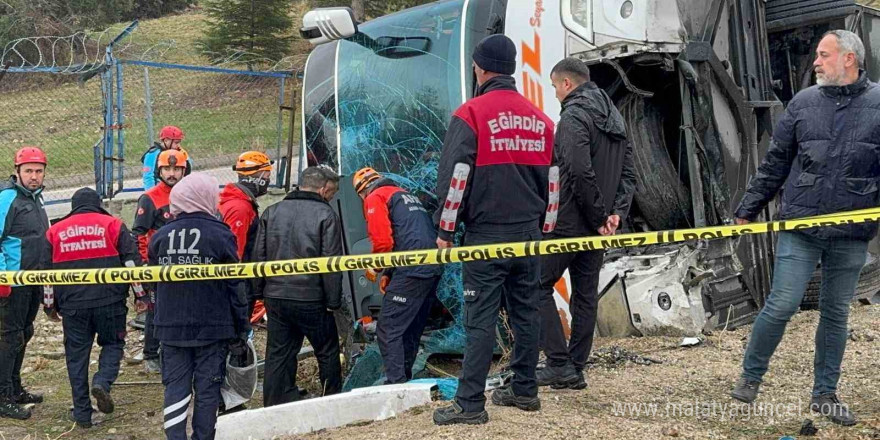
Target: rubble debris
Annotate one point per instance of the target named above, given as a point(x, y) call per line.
point(616, 356)
point(670, 432)
point(446, 388)
point(690, 342)
point(857, 335)
point(51, 355)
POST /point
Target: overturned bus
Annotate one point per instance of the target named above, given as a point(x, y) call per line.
point(696, 80)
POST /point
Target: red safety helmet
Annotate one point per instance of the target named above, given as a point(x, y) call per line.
point(30, 155)
point(171, 132)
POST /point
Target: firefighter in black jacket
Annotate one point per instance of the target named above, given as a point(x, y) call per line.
point(597, 182)
point(303, 225)
point(495, 177)
point(197, 322)
point(397, 221)
point(90, 238)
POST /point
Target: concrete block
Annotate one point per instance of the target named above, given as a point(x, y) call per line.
point(296, 418)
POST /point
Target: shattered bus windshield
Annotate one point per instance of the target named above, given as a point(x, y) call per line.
point(397, 85)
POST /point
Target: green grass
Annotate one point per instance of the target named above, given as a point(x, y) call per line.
point(220, 114)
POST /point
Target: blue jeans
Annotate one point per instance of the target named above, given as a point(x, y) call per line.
point(796, 258)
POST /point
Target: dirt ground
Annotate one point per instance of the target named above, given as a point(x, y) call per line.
point(138, 396)
point(687, 382)
point(684, 396)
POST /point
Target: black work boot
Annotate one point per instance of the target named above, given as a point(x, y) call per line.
point(578, 384)
point(95, 419)
point(25, 397)
point(556, 377)
point(11, 410)
point(102, 397)
point(830, 406)
point(454, 414)
point(79, 423)
point(746, 390)
point(504, 397)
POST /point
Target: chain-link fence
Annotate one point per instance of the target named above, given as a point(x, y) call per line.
point(58, 114)
point(95, 115)
point(222, 113)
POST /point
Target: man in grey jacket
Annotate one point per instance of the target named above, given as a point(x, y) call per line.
point(597, 181)
point(303, 225)
point(824, 157)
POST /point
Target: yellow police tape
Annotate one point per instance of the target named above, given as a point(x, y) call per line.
point(310, 266)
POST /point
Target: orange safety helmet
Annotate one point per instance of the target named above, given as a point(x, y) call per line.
point(252, 162)
point(171, 132)
point(363, 178)
point(30, 155)
point(172, 158)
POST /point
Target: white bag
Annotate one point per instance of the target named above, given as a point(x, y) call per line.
point(240, 383)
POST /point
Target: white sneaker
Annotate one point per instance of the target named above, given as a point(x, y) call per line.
point(136, 359)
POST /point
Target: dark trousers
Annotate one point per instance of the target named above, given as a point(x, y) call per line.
point(290, 322)
point(485, 282)
point(583, 268)
point(405, 308)
point(151, 344)
point(17, 314)
point(187, 371)
point(80, 328)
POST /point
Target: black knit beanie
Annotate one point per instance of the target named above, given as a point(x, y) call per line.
point(496, 53)
point(86, 197)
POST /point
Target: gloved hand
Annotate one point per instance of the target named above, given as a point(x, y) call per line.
point(372, 274)
point(383, 283)
point(142, 300)
point(141, 306)
point(238, 346)
point(5, 291)
point(52, 313)
point(141, 297)
point(149, 298)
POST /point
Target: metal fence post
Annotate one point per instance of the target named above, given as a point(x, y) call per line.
point(107, 81)
point(112, 63)
point(279, 131)
point(148, 106)
point(120, 123)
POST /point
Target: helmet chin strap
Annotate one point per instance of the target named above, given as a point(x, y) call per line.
point(257, 186)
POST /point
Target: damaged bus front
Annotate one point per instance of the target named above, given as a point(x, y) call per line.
point(691, 77)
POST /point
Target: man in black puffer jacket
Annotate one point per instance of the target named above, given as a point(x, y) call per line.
point(303, 225)
point(597, 181)
point(824, 157)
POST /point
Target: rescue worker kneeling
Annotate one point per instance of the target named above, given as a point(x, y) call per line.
point(196, 322)
point(89, 238)
point(397, 221)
